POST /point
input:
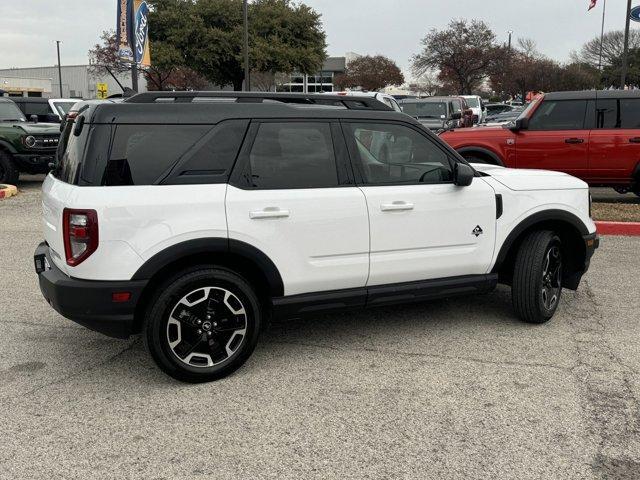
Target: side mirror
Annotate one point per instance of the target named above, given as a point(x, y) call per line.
point(456, 115)
point(463, 175)
point(520, 124)
point(33, 118)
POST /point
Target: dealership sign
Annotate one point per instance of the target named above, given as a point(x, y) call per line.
point(133, 32)
point(635, 14)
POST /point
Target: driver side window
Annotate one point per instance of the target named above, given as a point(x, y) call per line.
point(396, 154)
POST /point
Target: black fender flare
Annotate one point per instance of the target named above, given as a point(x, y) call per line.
point(213, 246)
point(7, 146)
point(484, 151)
point(544, 216)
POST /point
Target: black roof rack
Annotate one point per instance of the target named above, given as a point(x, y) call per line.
point(321, 100)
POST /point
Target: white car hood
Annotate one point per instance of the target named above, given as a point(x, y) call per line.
point(525, 179)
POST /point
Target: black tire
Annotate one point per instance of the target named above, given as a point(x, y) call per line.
point(8, 171)
point(537, 277)
point(178, 340)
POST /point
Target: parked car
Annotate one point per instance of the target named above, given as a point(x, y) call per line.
point(592, 135)
point(194, 221)
point(388, 100)
point(476, 105)
point(434, 113)
point(24, 146)
point(46, 109)
point(461, 105)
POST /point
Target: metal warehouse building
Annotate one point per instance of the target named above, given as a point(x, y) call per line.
point(77, 82)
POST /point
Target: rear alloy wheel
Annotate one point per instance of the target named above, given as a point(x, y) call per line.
point(204, 325)
point(537, 277)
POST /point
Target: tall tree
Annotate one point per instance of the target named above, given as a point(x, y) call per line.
point(463, 53)
point(371, 73)
point(283, 37)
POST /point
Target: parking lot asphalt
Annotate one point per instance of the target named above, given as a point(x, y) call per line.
point(448, 389)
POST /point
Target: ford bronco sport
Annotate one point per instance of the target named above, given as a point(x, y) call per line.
point(193, 218)
point(593, 135)
point(24, 146)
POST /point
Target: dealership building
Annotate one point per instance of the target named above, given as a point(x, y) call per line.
point(78, 81)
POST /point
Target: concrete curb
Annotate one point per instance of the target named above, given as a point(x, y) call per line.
point(630, 229)
point(7, 190)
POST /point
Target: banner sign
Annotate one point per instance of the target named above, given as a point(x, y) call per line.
point(635, 14)
point(132, 32)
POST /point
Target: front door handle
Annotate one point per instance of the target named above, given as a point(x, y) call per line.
point(396, 206)
point(634, 140)
point(574, 140)
point(269, 212)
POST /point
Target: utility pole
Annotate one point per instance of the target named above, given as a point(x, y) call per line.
point(604, 13)
point(59, 68)
point(510, 33)
point(245, 15)
point(625, 55)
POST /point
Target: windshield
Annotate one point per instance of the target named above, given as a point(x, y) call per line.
point(473, 102)
point(9, 112)
point(425, 109)
point(62, 108)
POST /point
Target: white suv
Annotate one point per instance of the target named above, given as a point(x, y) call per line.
point(193, 218)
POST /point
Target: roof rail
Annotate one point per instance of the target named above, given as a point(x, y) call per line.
point(349, 102)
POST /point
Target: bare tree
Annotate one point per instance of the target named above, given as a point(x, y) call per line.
point(463, 53)
point(612, 48)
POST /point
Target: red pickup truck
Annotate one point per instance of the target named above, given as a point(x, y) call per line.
point(593, 135)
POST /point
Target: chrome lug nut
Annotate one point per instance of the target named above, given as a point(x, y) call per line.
point(199, 332)
point(208, 317)
point(215, 324)
point(208, 334)
point(199, 322)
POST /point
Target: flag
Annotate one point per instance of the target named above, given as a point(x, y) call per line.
point(593, 4)
point(133, 32)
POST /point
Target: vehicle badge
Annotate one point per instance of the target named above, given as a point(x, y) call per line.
point(477, 231)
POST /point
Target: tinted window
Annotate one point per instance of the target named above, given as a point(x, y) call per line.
point(607, 114)
point(426, 109)
point(293, 155)
point(395, 154)
point(212, 157)
point(630, 113)
point(559, 115)
point(70, 154)
point(36, 108)
point(141, 154)
point(10, 112)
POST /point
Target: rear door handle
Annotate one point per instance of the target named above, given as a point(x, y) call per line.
point(269, 212)
point(574, 140)
point(634, 140)
point(396, 206)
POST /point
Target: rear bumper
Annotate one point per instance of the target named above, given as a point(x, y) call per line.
point(88, 302)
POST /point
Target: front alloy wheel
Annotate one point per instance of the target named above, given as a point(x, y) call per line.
point(203, 324)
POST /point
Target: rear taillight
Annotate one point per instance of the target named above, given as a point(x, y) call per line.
point(80, 230)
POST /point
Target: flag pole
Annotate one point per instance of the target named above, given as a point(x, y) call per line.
point(604, 13)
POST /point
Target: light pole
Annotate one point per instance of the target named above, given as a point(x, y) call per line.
point(245, 15)
point(625, 55)
point(59, 67)
point(510, 33)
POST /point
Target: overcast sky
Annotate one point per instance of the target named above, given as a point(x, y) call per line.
point(391, 27)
